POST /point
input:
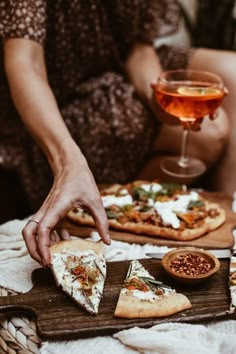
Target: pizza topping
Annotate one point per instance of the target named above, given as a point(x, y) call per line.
point(139, 288)
point(141, 284)
point(190, 264)
point(135, 284)
point(153, 283)
point(233, 278)
point(168, 210)
point(122, 191)
point(155, 191)
point(188, 218)
point(159, 209)
point(109, 200)
point(151, 187)
point(111, 214)
point(87, 276)
point(213, 212)
point(195, 204)
point(145, 296)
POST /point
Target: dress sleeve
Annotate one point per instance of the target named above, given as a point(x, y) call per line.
point(143, 21)
point(23, 19)
point(158, 18)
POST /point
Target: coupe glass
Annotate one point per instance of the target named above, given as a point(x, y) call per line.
point(187, 95)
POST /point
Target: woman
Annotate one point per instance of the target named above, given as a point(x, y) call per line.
point(79, 74)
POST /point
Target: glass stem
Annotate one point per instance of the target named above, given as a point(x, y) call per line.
point(183, 161)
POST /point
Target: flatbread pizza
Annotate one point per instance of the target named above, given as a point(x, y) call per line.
point(79, 268)
point(158, 209)
point(142, 296)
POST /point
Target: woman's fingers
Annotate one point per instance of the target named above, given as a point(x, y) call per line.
point(63, 196)
point(100, 218)
point(45, 228)
point(31, 233)
point(63, 233)
point(30, 236)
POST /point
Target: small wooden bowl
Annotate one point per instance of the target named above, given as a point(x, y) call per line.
point(183, 277)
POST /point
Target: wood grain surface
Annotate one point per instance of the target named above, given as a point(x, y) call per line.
point(220, 238)
point(57, 317)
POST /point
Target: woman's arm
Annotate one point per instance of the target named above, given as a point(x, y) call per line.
point(143, 67)
point(73, 181)
point(34, 100)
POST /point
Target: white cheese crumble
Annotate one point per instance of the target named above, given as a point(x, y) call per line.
point(109, 200)
point(167, 210)
point(123, 191)
point(153, 187)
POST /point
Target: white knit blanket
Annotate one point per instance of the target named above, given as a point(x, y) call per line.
point(165, 338)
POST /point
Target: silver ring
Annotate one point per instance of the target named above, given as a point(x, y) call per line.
point(33, 220)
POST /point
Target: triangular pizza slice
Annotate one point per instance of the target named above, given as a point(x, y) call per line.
point(79, 267)
point(142, 296)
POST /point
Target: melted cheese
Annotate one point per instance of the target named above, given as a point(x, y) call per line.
point(167, 210)
point(109, 200)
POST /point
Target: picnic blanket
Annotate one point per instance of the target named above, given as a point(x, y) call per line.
point(218, 337)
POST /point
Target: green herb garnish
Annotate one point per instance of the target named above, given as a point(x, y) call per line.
point(154, 282)
point(110, 214)
point(195, 204)
point(170, 188)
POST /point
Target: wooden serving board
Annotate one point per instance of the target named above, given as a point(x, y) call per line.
point(58, 317)
point(220, 238)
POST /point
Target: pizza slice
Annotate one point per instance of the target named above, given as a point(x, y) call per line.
point(79, 267)
point(157, 209)
point(142, 296)
point(232, 283)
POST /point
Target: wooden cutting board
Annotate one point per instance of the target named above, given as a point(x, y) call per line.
point(220, 238)
point(57, 317)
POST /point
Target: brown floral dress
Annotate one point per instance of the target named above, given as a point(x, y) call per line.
point(86, 42)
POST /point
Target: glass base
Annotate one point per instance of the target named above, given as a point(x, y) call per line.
point(194, 168)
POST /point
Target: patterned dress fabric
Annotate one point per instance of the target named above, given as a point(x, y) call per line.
point(86, 43)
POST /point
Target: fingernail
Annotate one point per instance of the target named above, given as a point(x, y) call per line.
point(45, 263)
point(108, 239)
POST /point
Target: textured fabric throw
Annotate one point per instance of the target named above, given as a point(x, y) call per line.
point(166, 338)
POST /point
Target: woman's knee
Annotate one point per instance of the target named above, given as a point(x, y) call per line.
point(212, 139)
point(220, 62)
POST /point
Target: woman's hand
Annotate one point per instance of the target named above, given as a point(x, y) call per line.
point(73, 186)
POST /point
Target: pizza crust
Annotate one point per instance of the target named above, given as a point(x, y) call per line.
point(77, 245)
point(129, 306)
